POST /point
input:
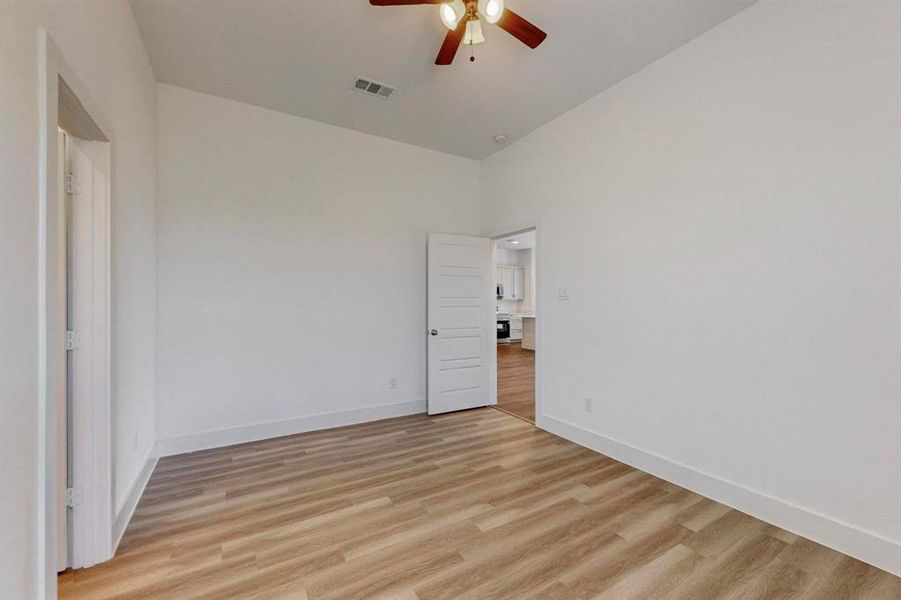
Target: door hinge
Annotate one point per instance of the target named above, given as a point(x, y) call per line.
point(72, 185)
point(71, 340)
point(74, 496)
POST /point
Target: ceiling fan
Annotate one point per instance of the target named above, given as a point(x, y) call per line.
point(463, 18)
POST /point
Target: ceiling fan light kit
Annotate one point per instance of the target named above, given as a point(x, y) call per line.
point(473, 33)
point(463, 18)
point(491, 10)
point(451, 13)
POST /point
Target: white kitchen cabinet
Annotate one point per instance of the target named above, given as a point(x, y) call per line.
point(518, 283)
point(512, 278)
point(515, 328)
point(505, 278)
point(528, 333)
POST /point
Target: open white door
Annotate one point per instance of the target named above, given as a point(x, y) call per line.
point(62, 399)
point(79, 276)
point(461, 320)
point(90, 471)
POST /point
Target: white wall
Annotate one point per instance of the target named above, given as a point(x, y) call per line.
point(291, 269)
point(727, 221)
point(101, 43)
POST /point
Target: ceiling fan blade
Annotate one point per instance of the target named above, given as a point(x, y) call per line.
point(521, 29)
point(451, 43)
point(403, 2)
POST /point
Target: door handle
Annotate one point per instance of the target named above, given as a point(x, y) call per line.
point(433, 332)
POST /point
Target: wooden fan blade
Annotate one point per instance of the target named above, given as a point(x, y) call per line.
point(521, 29)
point(451, 43)
point(404, 2)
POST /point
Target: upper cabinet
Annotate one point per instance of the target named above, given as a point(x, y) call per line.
point(513, 280)
point(505, 281)
point(518, 281)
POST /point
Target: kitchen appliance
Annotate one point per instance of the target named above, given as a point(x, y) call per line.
point(503, 329)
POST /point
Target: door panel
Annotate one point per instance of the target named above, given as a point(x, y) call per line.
point(462, 348)
point(461, 318)
point(460, 287)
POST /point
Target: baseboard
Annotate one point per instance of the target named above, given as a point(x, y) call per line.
point(216, 438)
point(848, 539)
point(123, 515)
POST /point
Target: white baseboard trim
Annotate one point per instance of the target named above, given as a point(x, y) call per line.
point(217, 438)
point(123, 515)
point(848, 539)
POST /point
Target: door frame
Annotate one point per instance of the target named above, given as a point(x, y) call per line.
point(91, 536)
point(495, 233)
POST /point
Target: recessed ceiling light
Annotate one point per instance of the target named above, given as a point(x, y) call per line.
point(499, 139)
point(514, 241)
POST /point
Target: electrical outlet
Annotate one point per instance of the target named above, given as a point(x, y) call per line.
point(392, 383)
point(589, 404)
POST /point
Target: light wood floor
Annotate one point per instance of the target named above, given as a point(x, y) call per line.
point(475, 504)
point(516, 380)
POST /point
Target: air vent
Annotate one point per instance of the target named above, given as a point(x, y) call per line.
point(382, 90)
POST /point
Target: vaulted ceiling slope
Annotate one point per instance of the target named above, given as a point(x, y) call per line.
point(302, 57)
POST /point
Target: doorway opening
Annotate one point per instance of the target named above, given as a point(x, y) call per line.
point(516, 308)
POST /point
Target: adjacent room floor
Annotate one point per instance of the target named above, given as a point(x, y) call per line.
point(516, 380)
point(476, 504)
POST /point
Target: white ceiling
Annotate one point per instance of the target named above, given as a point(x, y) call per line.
point(524, 241)
point(302, 57)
